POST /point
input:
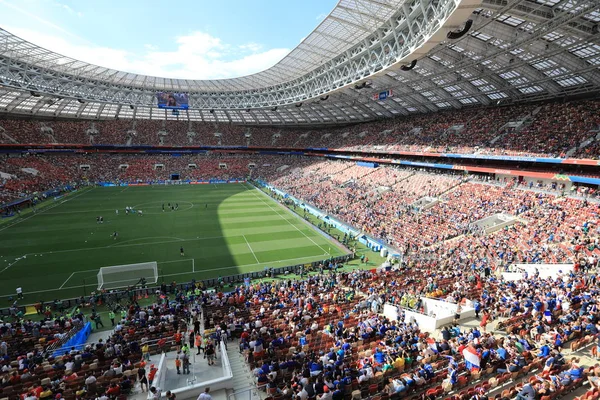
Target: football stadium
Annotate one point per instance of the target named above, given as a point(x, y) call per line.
point(403, 204)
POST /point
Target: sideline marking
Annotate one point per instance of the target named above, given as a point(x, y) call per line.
point(11, 264)
point(65, 282)
point(289, 222)
point(143, 238)
point(256, 258)
point(46, 209)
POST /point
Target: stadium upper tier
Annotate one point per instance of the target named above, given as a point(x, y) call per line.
point(537, 130)
point(510, 51)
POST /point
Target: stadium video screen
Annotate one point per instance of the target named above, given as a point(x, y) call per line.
point(172, 100)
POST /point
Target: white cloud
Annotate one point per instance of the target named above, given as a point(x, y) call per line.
point(43, 21)
point(196, 56)
point(253, 47)
point(68, 9)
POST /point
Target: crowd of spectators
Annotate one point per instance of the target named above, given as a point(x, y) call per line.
point(379, 201)
point(108, 369)
point(550, 129)
point(383, 204)
point(324, 336)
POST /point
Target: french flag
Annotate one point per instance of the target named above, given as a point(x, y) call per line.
point(472, 359)
point(548, 316)
point(432, 344)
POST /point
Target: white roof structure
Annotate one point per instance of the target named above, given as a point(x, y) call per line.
point(514, 51)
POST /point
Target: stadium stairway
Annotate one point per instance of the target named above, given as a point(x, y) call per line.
point(6, 136)
point(594, 136)
point(95, 336)
point(403, 179)
point(244, 385)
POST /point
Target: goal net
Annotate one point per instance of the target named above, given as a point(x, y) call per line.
point(119, 276)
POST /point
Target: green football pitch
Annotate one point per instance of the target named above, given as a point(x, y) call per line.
point(225, 229)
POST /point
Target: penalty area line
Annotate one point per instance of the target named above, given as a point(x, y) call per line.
point(179, 273)
point(11, 264)
point(65, 282)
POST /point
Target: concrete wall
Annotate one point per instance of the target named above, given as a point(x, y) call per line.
point(193, 391)
point(535, 181)
point(545, 270)
point(161, 375)
point(444, 313)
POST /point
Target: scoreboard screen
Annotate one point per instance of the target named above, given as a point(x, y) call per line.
point(172, 100)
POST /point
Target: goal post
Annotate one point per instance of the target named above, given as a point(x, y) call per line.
point(118, 276)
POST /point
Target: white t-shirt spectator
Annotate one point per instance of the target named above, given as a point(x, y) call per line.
point(204, 396)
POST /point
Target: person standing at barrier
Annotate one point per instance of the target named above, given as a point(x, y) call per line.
point(155, 393)
point(142, 378)
point(162, 345)
point(177, 337)
point(210, 353)
point(196, 325)
point(205, 395)
point(198, 343)
point(186, 363)
point(97, 319)
point(185, 349)
point(111, 316)
point(178, 363)
point(224, 338)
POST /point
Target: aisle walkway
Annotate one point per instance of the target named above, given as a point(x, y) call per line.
point(244, 385)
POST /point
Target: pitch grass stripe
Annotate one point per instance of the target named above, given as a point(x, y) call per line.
point(296, 226)
point(279, 244)
point(259, 232)
point(47, 208)
point(118, 245)
point(246, 240)
point(267, 237)
point(267, 231)
point(244, 207)
point(274, 255)
point(241, 247)
point(250, 219)
point(238, 246)
point(248, 211)
point(280, 222)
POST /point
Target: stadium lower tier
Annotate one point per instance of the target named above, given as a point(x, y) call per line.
point(323, 336)
point(537, 130)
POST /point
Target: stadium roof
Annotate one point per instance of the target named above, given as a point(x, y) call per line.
point(515, 50)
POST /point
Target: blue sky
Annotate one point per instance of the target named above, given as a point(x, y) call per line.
point(178, 39)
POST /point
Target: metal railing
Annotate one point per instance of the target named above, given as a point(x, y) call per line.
point(250, 393)
point(58, 344)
